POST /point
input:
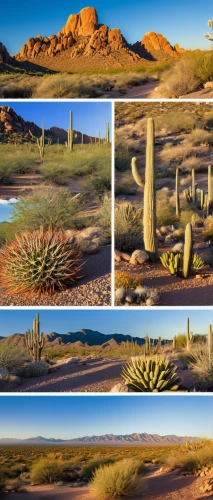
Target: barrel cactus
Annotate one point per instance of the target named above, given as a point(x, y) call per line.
point(151, 375)
point(39, 262)
point(35, 369)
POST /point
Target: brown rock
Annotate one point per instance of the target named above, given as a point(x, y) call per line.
point(30, 43)
point(8, 126)
point(4, 55)
point(23, 51)
point(155, 42)
point(71, 24)
point(115, 39)
point(83, 24)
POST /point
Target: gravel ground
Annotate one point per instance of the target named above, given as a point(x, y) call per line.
point(94, 289)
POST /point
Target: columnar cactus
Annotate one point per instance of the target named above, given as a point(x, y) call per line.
point(147, 345)
point(35, 340)
point(159, 342)
point(82, 139)
point(209, 189)
point(177, 197)
point(171, 261)
point(210, 346)
point(149, 211)
point(187, 253)
point(174, 342)
point(202, 199)
point(193, 186)
point(70, 134)
point(187, 335)
point(107, 133)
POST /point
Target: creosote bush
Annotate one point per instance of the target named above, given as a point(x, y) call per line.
point(39, 262)
point(92, 465)
point(47, 470)
point(117, 480)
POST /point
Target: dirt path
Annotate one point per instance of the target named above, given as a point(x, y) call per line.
point(94, 289)
point(98, 376)
point(138, 92)
point(55, 492)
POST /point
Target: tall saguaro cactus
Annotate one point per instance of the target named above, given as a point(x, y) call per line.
point(149, 211)
point(210, 346)
point(187, 252)
point(147, 345)
point(193, 187)
point(70, 134)
point(107, 133)
point(187, 335)
point(35, 340)
point(177, 197)
point(209, 189)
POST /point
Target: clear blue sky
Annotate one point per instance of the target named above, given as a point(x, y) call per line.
point(88, 117)
point(76, 416)
point(183, 22)
point(164, 323)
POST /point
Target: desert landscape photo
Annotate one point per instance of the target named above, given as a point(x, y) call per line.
point(104, 448)
point(163, 213)
point(96, 351)
point(104, 51)
point(55, 203)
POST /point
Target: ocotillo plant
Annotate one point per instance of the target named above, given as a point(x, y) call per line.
point(149, 211)
point(187, 252)
point(209, 189)
point(210, 345)
point(177, 197)
point(187, 335)
point(70, 134)
point(107, 133)
point(35, 340)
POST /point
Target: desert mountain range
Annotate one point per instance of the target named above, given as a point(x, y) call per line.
point(84, 43)
point(13, 128)
point(106, 439)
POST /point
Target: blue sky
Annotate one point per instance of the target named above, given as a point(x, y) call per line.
point(76, 416)
point(183, 22)
point(164, 323)
point(88, 117)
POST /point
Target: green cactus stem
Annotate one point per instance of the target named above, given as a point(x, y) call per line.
point(70, 134)
point(202, 199)
point(187, 253)
point(197, 262)
point(210, 346)
point(174, 342)
point(107, 133)
point(171, 261)
point(187, 335)
point(149, 211)
point(34, 340)
point(209, 189)
point(151, 375)
point(193, 187)
point(177, 197)
point(147, 345)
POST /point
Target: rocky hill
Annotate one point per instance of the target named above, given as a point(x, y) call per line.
point(106, 440)
point(82, 337)
point(13, 128)
point(82, 43)
point(4, 55)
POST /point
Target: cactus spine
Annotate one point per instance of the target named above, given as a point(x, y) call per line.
point(35, 340)
point(187, 335)
point(149, 212)
point(210, 345)
point(177, 197)
point(187, 253)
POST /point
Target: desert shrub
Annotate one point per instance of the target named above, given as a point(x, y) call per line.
point(128, 227)
point(7, 168)
point(125, 185)
point(122, 159)
point(201, 367)
point(117, 480)
point(38, 262)
point(198, 137)
point(35, 369)
point(47, 470)
point(192, 457)
point(208, 228)
point(185, 217)
point(104, 217)
point(11, 358)
point(16, 485)
point(126, 280)
point(166, 215)
point(92, 465)
point(189, 163)
point(180, 341)
point(49, 207)
point(151, 375)
point(172, 122)
point(176, 154)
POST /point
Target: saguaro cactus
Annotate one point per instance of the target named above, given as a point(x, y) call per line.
point(107, 133)
point(174, 342)
point(187, 335)
point(209, 189)
point(177, 197)
point(70, 134)
point(193, 186)
point(187, 253)
point(35, 340)
point(149, 211)
point(147, 345)
point(210, 345)
point(202, 199)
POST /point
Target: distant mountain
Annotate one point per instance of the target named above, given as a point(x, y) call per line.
point(136, 439)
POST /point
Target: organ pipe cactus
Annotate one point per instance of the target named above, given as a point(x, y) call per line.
point(174, 342)
point(34, 340)
point(177, 197)
point(187, 253)
point(149, 211)
point(151, 375)
point(171, 261)
point(202, 199)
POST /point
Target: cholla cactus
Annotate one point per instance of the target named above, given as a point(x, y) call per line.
point(151, 375)
point(39, 262)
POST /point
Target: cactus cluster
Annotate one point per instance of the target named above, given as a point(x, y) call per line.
point(171, 261)
point(151, 375)
point(35, 340)
point(39, 262)
point(149, 210)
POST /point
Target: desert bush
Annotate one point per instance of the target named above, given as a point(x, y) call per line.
point(104, 217)
point(122, 160)
point(151, 375)
point(92, 465)
point(177, 154)
point(117, 480)
point(47, 470)
point(180, 341)
point(208, 228)
point(188, 164)
point(16, 485)
point(39, 262)
point(126, 280)
point(125, 186)
point(198, 137)
point(50, 207)
point(11, 358)
point(185, 217)
point(192, 457)
point(172, 122)
point(35, 369)
point(128, 227)
point(201, 367)
point(7, 168)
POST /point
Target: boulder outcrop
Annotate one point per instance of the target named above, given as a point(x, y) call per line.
point(4, 55)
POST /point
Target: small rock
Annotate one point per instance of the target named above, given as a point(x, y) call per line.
point(139, 257)
point(120, 387)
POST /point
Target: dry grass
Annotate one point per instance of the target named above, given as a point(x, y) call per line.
point(117, 480)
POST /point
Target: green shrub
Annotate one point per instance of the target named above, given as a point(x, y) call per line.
point(35, 369)
point(47, 470)
point(128, 227)
point(122, 160)
point(117, 480)
point(192, 457)
point(92, 465)
point(11, 358)
point(104, 217)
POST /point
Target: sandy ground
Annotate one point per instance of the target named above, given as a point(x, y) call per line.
point(94, 289)
point(165, 486)
point(98, 376)
point(174, 291)
point(138, 92)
